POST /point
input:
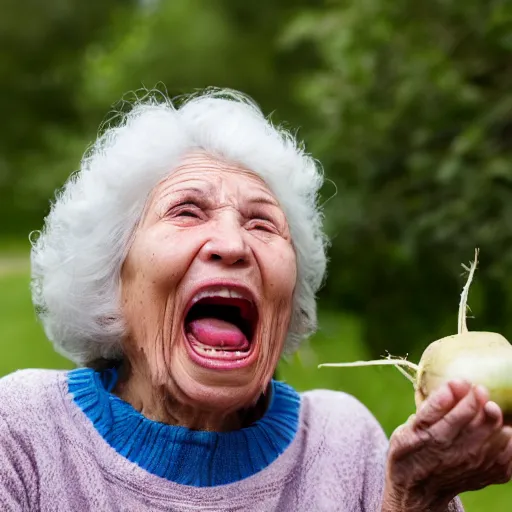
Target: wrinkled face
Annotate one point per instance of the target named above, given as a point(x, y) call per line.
point(208, 284)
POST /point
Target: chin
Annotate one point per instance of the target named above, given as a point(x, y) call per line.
point(212, 389)
point(214, 396)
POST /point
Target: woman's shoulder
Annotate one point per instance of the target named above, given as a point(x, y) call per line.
point(336, 410)
point(338, 403)
point(344, 443)
point(29, 392)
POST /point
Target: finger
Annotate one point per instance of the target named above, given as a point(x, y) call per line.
point(506, 460)
point(494, 413)
point(481, 393)
point(486, 422)
point(497, 448)
point(497, 468)
point(460, 388)
point(450, 426)
point(504, 450)
point(439, 403)
point(508, 474)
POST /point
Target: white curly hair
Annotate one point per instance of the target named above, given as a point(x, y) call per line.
point(77, 257)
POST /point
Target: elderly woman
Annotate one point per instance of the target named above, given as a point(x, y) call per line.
point(175, 269)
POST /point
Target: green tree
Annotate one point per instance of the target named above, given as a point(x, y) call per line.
point(42, 45)
point(412, 102)
point(79, 59)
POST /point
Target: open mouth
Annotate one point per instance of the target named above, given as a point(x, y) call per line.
point(220, 324)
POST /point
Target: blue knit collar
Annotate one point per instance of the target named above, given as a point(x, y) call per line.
point(184, 456)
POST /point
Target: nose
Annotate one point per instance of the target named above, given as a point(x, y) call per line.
point(226, 243)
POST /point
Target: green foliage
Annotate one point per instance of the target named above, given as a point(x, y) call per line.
point(412, 119)
point(408, 106)
point(73, 61)
point(22, 341)
point(43, 45)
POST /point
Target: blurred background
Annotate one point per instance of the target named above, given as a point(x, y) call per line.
point(408, 106)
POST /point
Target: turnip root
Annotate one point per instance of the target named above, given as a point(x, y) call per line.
point(483, 358)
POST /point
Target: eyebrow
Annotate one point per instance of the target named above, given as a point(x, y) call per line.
point(192, 191)
point(264, 198)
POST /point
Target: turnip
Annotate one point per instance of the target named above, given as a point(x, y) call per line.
point(483, 358)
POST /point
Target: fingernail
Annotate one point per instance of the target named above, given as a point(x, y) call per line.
point(459, 387)
point(444, 394)
point(492, 409)
point(482, 393)
point(481, 389)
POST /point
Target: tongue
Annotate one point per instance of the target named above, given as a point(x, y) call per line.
point(218, 333)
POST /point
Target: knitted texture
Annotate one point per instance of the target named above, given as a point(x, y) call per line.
point(52, 459)
point(185, 456)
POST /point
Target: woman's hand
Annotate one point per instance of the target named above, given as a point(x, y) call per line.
point(455, 443)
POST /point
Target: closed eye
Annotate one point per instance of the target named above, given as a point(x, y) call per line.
point(187, 209)
point(261, 223)
point(187, 213)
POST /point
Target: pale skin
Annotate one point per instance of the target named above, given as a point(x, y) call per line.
point(209, 219)
point(212, 219)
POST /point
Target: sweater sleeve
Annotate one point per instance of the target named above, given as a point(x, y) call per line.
point(375, 466)
point(16, 476)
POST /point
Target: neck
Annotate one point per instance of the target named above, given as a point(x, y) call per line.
point(156, 404)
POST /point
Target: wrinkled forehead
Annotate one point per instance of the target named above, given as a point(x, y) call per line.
point(215, 177)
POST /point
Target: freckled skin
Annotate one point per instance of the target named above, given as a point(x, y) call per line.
point(209, 219)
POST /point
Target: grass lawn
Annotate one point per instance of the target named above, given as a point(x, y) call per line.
point(383, 390)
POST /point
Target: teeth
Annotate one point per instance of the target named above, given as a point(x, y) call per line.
point(209, 351)
point(219, 292)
